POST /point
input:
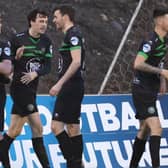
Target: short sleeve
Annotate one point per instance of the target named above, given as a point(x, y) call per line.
point(145, 49)
point(5, 51)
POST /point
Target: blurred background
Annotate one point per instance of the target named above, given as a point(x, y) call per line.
point(103, 23)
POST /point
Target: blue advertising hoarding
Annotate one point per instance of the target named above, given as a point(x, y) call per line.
point(108, 125)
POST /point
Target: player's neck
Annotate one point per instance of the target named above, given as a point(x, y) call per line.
point(67, 26)
point(161, 32)
point(33, 33)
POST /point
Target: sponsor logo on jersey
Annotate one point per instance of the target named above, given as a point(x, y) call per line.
point(33, 65)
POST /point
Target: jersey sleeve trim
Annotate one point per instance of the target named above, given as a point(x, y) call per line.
point(143, 54)
point(75, 48)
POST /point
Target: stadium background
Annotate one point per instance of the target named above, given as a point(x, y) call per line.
point(103, 23)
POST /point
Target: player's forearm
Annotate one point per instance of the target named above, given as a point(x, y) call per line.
point(148, 68)
point(74, 66)
point(5, 68)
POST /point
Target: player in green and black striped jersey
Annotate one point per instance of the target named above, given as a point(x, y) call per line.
point(149, 77)
point(32, 53)
point(69, 88)
point(153, 50)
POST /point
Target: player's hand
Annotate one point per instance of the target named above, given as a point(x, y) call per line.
point(19, 52)
point(28, 77)
point(55, 89)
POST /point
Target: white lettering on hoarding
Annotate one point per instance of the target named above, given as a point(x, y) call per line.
point(108, 112)
point(46, 114)
point(104, 147)
point(100, 118)
point(89, 109)
point(110, 153)
point(128, 117)
point(163, 121)
point(56, 156)
point(108, 115)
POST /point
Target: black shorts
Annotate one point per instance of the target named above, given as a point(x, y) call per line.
point(144, 101)
point(2, 105)
point(24, 100)
point(68, 102)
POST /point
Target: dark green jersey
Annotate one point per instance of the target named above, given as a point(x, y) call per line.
point(36, 57)
point(154, 49)
point(73, 40)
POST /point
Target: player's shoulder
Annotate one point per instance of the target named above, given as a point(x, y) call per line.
point(4, 44)
point(75, 31)
point(151, 37)
point(20, 34)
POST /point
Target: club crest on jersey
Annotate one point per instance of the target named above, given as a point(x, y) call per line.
point(146, 47)
point(74, 40)
point(33, 64)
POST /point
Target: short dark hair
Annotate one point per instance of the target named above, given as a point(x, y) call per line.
point(160, 12)
point(33, 14)
point(66, 10)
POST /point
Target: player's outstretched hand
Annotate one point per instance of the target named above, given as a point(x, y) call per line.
point(19, 52)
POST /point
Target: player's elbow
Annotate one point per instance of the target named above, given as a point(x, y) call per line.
point(7, 68)
point(136, 65)
point(77, 64)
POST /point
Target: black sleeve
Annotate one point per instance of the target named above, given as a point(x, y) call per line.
point(4, 79)
point(5, 51)
point(13, 46)
point(5, 55)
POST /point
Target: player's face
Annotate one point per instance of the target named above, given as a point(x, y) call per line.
point(40, 24)
point(165, 22)
point(58, 20)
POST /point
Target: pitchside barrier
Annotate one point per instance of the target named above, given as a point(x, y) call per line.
point(108, 126)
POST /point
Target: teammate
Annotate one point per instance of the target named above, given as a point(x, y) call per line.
point(69, 88)
point(5, 70)
point(32, 58)
point(149, 74)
